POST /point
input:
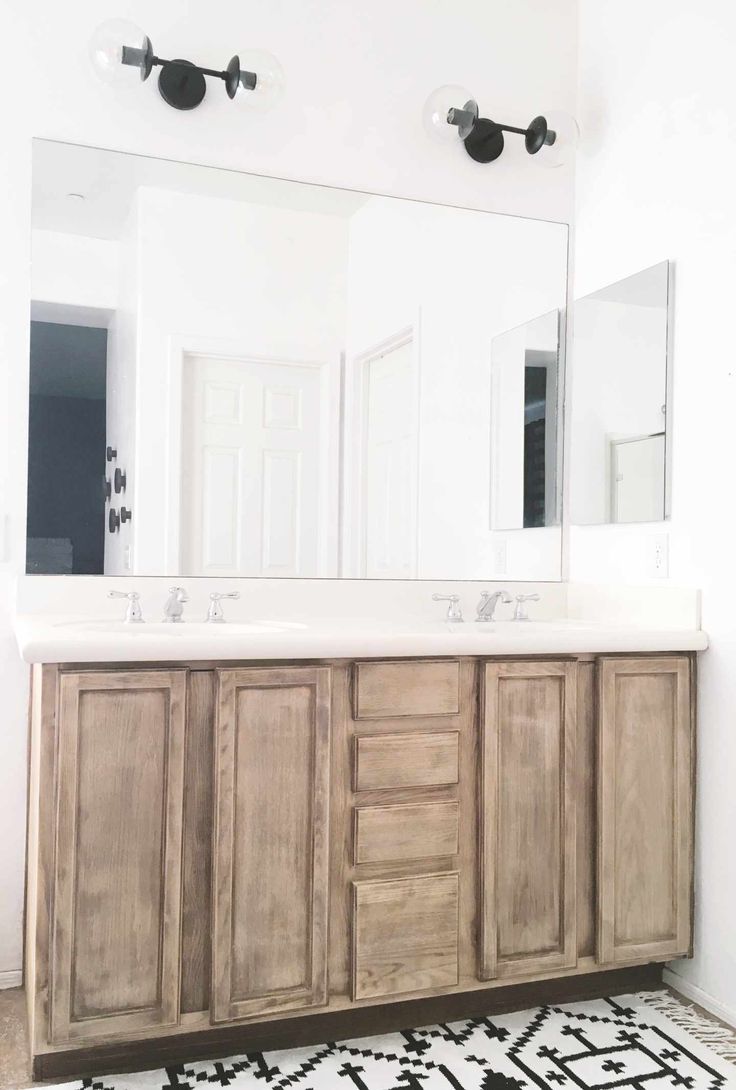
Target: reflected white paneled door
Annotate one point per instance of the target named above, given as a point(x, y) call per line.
point(251, 455)
point(638, 472)
point(389, 490)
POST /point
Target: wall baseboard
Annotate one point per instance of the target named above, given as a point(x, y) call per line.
point(11, 979)
point(697, 995)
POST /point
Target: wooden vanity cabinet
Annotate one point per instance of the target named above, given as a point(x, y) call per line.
point(214, 847)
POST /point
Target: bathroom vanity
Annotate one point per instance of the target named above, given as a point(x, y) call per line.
point(292, 830)
point(228, 855)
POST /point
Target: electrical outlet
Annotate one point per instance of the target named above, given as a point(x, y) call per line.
point(660, 556)
point(500, 556)
point(128, 558)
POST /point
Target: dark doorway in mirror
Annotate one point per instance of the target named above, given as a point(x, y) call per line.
point(536, 439)
point(66, 450)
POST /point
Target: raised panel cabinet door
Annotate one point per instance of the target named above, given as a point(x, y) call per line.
point(117, 879)
point(527, 826)
point(271, 850)
point(645, 808)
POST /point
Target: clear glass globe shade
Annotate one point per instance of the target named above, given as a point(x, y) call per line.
point(106, 52)
point(436, 109)
point(562, 151)
point(270, 80)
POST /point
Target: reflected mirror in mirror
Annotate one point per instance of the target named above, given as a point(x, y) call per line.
point(234, 375)
point(619, 440)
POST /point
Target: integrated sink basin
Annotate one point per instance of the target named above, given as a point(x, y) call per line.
point(184, 629)
point(523, 629)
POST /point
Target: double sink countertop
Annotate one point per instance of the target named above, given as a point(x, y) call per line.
point(59, 638)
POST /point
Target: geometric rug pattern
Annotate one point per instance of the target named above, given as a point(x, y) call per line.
point(605, 1044)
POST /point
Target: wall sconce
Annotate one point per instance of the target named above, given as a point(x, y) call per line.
point(451, 113)
point(120, 51)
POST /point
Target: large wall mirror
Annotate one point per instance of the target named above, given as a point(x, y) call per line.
point(620, 422)
point(234, 375)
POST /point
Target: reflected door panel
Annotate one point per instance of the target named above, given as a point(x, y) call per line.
point(637, 475)
point(390, 484)
point(618, 465)
point(251, 456)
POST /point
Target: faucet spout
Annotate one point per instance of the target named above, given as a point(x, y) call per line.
point(488, 602)
point(174, 605)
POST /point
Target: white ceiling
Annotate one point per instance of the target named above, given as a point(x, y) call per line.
point(107, 180)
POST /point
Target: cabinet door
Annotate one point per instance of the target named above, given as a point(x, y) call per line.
point(271, 841)
point(116, 898)
point(527, 828)
point(645, 809)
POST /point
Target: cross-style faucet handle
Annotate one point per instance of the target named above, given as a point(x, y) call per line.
point(520, 614)
point(214, 613)
point(133, 614)
point(454, 609)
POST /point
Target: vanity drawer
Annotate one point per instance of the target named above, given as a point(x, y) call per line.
point(394, 834)
point(422, 759)
point(405, 935)
point(387, 690)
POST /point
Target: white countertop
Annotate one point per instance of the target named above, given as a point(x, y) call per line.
point(55, 638)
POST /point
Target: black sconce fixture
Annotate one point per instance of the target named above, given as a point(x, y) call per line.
point(451, 113)
point(119, 50)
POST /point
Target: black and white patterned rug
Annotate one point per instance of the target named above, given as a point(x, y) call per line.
point(626, 1043)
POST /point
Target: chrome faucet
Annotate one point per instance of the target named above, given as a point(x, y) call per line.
point(454, 609)
point(520, 613)
point(488, 602)
point(214, 613)
point(133, 614)
point(174, 606)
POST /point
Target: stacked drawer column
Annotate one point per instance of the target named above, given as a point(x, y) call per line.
point(411, 839)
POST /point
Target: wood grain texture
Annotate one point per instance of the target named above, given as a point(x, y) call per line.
point(196, 927)
point(586, 809)
point(645, 808)
point(405, 935)
point(40, 850)
point(384, 690)
point(528, 800)
point(406, 760)
point(389, 834)
point(116, 918)
point(271, 841)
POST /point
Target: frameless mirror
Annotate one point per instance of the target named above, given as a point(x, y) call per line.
point(234, 375)
point(619, 425)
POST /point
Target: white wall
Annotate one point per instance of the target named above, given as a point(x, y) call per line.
point(73, 270)
point(358, 75)
point(122, 353)
point(656, 174)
